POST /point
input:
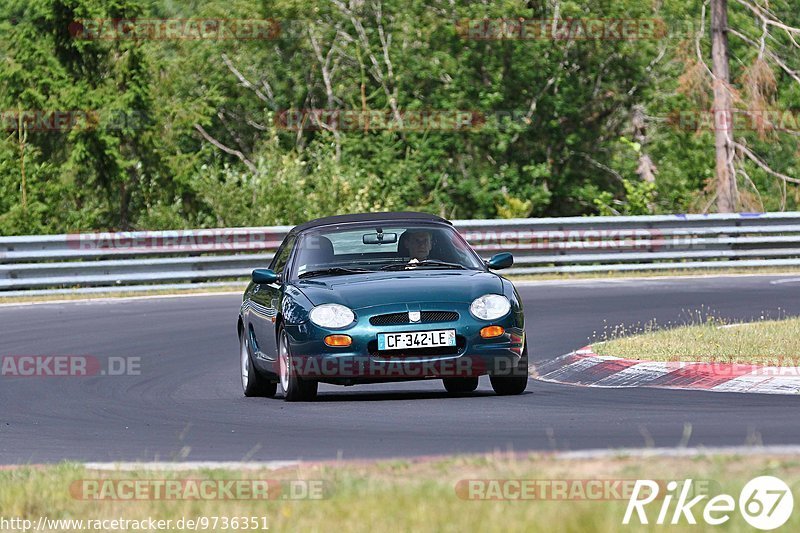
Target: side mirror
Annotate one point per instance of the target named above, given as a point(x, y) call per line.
point(501, 260)
point(264, 276)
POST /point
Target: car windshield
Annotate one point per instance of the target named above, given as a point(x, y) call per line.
point(382, 247)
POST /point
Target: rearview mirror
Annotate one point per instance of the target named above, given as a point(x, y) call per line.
point(379, 238)
point(501, 260)
point(264, 276)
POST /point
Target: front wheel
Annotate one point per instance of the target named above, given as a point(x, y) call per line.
point(295, 388)
point(253, 382)
point(515, 383)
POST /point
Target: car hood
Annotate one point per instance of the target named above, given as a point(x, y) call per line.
point(365, 290)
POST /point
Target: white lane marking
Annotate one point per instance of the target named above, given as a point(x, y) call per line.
point(192, 465)
point(789, 280)
point(678, 452)
point(117, 299)
point(654, 279)
point(596, 453)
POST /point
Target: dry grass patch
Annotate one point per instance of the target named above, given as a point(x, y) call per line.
point(405, 495)
point(766, 342)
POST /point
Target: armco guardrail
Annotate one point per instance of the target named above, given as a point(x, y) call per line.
point(545, 245)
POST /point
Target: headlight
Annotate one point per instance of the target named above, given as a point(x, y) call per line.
point(490, 307)
point(331, 316)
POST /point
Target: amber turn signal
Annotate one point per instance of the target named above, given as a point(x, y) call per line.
point(492, 331)
point(338, 340)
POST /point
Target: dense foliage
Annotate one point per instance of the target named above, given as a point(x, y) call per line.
point(191, 132)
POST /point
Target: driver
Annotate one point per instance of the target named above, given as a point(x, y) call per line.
point(419, 243)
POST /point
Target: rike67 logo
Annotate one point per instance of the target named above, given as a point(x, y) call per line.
point(765, 503)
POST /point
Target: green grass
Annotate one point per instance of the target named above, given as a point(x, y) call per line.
point(405, 495)
point(769, 342)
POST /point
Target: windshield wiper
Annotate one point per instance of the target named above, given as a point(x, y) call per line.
point(424, 263)
point(333, 271)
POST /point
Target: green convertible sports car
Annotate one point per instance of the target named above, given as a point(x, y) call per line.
point(380, 297)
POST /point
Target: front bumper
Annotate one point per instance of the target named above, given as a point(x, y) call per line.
point(362, 362)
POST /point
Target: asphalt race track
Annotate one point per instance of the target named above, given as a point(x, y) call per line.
point(187, 401)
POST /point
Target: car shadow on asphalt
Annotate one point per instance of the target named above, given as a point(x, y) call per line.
point(373, 396)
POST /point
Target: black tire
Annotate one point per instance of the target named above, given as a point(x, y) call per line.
point(254, 384)
point(515, 383)
point(295, 388)
point(460, 385)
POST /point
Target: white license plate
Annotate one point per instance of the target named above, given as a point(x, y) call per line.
point(416, 339)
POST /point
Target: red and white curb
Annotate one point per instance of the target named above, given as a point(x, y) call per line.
point(584, 367)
